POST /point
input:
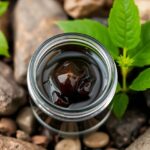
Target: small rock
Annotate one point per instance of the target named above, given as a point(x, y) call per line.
point(26, 120)
point(30, 34)
point(68, 144)
point(144, 9)
point(12, 96)
point(142, 143)
point(96, 140)
point(82, 8)
point(40, 140)
point(8, 143)
point(22, 135)
point(7, 126)
point(125, 130)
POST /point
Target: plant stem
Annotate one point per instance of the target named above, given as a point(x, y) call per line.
point(124, 71)
point(124, 77)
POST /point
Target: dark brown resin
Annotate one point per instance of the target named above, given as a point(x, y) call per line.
point(74, 82)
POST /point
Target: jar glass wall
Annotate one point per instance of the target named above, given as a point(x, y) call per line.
point(82, 117)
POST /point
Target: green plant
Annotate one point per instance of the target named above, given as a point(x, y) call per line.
point(3, 41)
point(127, 41)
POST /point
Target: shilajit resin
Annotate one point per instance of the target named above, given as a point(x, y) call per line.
point(72, 81)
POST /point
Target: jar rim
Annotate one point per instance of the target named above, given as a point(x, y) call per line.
point(68, 114)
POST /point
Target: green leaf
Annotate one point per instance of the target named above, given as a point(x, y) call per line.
point(124, 24)
point(120, 103)
point(3, 45)
point(93, 29)
point(3, 7)
point(141, 54)
point(142, 82)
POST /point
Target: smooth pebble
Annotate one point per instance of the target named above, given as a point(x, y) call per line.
point(7, 126)
point(68, 144)
point(96, 140)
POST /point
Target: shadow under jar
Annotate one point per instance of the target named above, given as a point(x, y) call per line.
point(72, 80)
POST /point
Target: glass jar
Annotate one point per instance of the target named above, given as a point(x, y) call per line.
point(79, 120)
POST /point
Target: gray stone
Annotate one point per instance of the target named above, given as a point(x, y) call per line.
point(12, 96)
point(34, 22)
point(8, 143)
point(26, 120)
point(125, 130)
point(142, 143)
